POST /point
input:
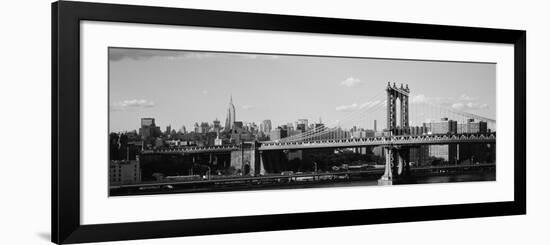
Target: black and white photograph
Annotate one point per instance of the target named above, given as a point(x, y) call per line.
point(275, 122)
point(187, 121)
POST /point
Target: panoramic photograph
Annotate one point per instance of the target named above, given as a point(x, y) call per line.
point(188, 121)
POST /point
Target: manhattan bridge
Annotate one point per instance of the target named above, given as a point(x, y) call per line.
point(398, 138)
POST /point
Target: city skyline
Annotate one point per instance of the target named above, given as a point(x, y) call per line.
point(257, 121)
point(175, 88)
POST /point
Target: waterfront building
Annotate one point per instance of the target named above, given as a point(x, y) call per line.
point(124, 172)
point(448, 153)
point(420, 155)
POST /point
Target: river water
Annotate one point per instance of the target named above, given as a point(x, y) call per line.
point(369, 181)
point(446, 178)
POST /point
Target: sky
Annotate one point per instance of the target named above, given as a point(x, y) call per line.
point(179, 88)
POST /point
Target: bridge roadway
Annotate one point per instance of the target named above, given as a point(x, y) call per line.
point(430, 139)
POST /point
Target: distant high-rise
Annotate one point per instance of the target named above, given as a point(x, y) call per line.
point(445, 126)
point(204, 128)
point(302, 125)
point(470, 126)
point(375, 126)
point(196, 128)
point(147, 122)
point(230, 120)
point(148, 129)
point(265, 127)
point(278, 133)
point(216, 126)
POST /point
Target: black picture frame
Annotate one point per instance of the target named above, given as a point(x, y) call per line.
point(65, 223)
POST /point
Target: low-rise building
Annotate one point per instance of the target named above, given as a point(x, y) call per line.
point(123, 172)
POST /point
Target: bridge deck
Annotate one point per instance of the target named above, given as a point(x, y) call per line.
point(378, 141)
point(342, 143)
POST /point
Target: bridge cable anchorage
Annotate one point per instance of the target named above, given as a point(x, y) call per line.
point(373, 103)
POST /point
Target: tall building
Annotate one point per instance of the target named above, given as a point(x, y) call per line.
point(216, 125)
point(472, 127)
point(146, 122)
point(148, 129)
point(445, 126)
point(302, 125)
point(230, 120)
point(204, 127)
point(196, 128)
point(265, 127)
point(278, 133)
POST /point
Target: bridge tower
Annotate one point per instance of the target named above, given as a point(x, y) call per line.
point(396, 157)
point(395, 94)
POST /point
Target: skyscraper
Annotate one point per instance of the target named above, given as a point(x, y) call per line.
point(265, 127)
point(216, 126)
point(148, 129)
point(230, 120)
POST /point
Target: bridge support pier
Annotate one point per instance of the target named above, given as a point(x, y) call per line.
point(248, 159)
point(396, 165)
point(403, 167)
point(387, 178)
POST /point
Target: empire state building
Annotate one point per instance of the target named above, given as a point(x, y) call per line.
point(230, 121)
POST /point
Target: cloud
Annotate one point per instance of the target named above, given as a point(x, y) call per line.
point(464, 97)
point(469, 106)
point(133, 103)
point(458, 106)
point(117, 54)
point(205, 92)
point(462, 102)
point(351, 107)
point(351, 82)
point(248, 107)
point(419, 99)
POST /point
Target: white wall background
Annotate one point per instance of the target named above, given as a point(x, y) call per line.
point(25, 121)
